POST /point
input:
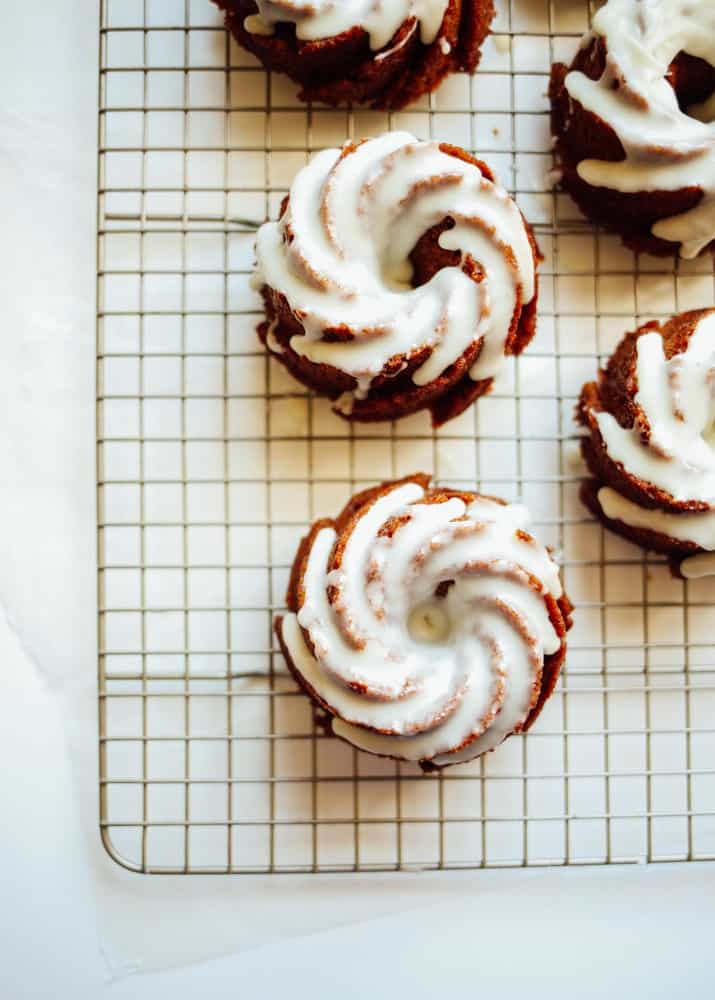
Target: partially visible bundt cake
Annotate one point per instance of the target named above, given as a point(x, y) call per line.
point(651, 440)
point(386, 53)
point(633, 119)
point(397, 277)
point(428, 623)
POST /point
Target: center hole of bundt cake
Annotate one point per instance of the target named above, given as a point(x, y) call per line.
point(428, 623)
point(427, 256)
point(693, 81)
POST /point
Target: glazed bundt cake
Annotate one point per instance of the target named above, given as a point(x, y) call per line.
point(633, 119)
point(427, 623)
point(651, 440)
point(397, 277)
point(386, 53)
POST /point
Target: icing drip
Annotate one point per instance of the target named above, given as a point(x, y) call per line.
point(671, 447)
point(698, 566)
point(666, 148)
point(272, 342)
point(696, 527)
point(672, 443)
point(340, 256)
point(427, 641)
point(316, 19)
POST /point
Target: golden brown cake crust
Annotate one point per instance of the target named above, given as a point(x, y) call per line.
point(396, 395)
point(614, 392)
point(343, 524)
point(343, 69)
point(579, 134)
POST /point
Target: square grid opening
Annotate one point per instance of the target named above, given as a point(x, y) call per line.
point(213, 462)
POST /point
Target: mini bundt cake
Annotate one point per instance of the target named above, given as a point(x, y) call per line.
point(386, 53)
point(633, 120)
point(427, 623)
point(397, 277)
point(651, 441)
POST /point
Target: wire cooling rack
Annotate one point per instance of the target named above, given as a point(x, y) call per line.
point(212, 462)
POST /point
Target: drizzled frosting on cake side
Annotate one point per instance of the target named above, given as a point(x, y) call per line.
point(667, 148)
point(656, 471)
point(672, 442)
point(319, 19)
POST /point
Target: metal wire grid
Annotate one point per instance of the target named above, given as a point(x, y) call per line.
point(212, 462)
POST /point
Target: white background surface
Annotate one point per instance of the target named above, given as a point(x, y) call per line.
point(72, 925)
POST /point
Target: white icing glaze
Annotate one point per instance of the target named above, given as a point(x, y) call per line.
point(340, 256)
point(697, 527)
point(255, 24)
point(272, 342)
point(471, 678)
point(698, 566)
point(316, 19)
point(666, 148)
point(672, 443)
